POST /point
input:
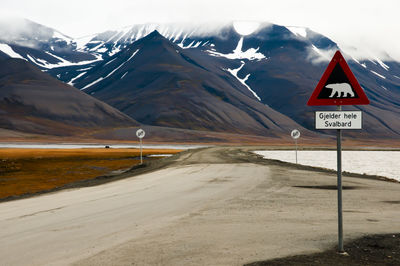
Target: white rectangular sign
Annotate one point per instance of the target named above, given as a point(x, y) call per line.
point(338, 120)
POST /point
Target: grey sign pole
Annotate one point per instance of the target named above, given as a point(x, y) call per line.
point(141, 152)
point(338, 88)
point(295, 135)
point(339, 188)
point(140, 133)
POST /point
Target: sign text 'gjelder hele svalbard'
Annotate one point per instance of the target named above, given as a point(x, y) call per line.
point(338, 120)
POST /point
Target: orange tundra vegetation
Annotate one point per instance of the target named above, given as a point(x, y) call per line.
point(27, 171)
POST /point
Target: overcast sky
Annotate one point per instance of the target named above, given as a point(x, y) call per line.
point(374, 24)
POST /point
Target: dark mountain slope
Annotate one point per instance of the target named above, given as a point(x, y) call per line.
point(157, 83)
point(3, 56)
point(32, 101)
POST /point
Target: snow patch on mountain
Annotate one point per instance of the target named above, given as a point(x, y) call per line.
point(250, 54)
point(32, 59)
point(91, 84)
point(9, 51)
point(358, 62)
point(182, 41)
point(133, 54)
point(379, 75)
point(62, 62)
point(197, 44)
point(177, 36)
point(110, 61)
point(188, 46)
point(102, 50)
point(112, 72)
point(71, 82)
point(124, 75)
point(234, 73)
point(383, 65)
point(114, 51)
point(84, 69)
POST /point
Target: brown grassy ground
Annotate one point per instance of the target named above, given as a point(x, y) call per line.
point(27, 171)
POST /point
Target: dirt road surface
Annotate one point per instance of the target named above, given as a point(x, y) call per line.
point(214, 206)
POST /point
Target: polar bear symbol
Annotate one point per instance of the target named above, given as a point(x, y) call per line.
point(340, 88)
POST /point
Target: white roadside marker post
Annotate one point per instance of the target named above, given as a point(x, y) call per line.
point(295, 135)
point(140, 133)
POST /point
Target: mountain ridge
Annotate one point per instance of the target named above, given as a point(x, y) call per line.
point(275, 66)
point(177, 72)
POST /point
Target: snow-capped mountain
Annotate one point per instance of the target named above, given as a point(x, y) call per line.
point(279, 66)
point(43, 46)
point(223, 41)
point(275, 66)
point(158, 83)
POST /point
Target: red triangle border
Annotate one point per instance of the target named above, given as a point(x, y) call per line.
point(338, 59)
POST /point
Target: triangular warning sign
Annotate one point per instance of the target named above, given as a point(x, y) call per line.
point(338, 86)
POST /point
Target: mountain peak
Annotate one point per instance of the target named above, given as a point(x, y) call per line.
point(154, 35)
point(153, 38)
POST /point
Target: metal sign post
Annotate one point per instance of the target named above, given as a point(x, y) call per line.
point(339, 187)
point(295, 135)
point(338, 86)
point(141, 152)
point(140, 133)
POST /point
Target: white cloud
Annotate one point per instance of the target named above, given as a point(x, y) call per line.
point(366, 23)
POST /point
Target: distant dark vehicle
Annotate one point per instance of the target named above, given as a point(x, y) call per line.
point(107, 147)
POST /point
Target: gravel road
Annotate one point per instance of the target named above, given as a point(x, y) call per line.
point(212, 206)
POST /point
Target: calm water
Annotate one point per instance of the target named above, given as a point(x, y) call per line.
point(382, 163)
